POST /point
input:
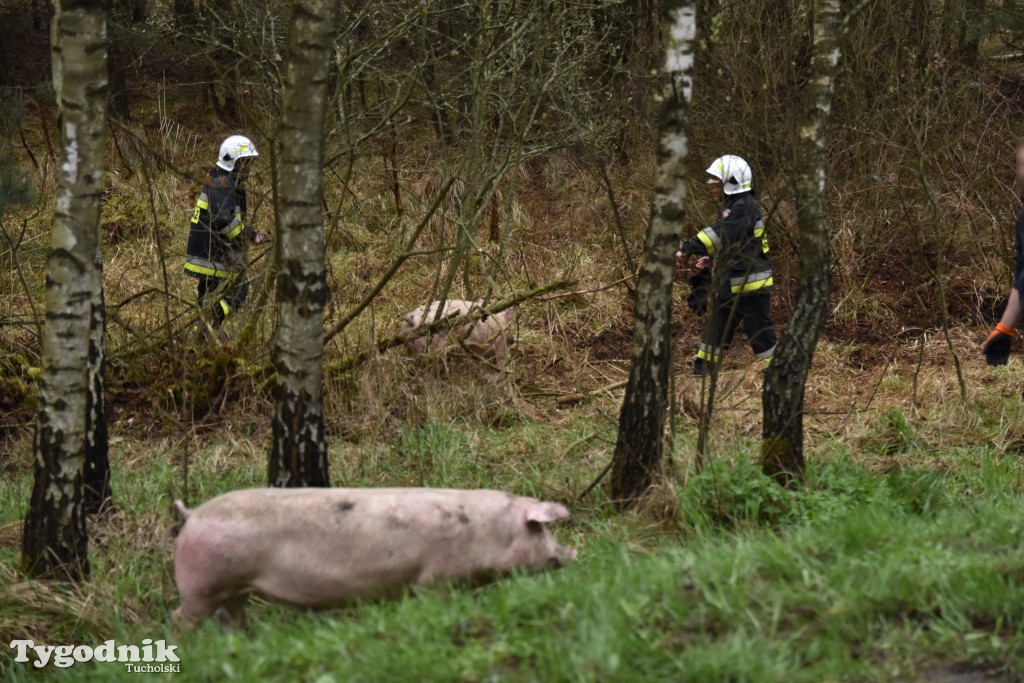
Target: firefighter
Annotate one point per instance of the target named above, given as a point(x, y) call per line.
point(997, 346)
point(216, 253)
point(735, 252)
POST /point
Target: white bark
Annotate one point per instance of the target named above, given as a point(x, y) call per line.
point(55, 542)
point(642, 419)
point(783, 401)
point(299, 451)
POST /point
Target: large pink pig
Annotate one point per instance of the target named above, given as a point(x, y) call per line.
point(489, 335)
point(324, 547)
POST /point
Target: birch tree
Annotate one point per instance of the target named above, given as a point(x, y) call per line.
point(71, 424)
point(298, 455)
point(638, 449)
point(97, 490)
point(783, 400)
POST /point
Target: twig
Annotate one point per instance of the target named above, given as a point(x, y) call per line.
point(936, 270)
point(36, 318)
point(161, 255)
point(395, 265)
point(586, 291)
point(593, 484)
point(474, 316)
point(610, 190)
point(144, 145)
point(871, 399)
point(608, 387)
point(146, 292)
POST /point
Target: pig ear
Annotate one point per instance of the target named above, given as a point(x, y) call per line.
point(544, 513)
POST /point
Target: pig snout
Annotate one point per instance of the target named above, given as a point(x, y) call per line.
point(558, 555)
point(563, 555)
point(545, 551)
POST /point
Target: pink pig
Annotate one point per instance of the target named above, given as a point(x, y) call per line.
point(326, 547)
point(488, 335)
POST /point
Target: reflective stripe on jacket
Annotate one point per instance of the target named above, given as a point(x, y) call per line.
point(201, 266)
point(217, 221)
point(739, 242)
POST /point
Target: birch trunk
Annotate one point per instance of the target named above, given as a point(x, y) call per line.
point(638, 449)
point(97, 463)
point(782, 443)
point(298, 455)
point(70, 430)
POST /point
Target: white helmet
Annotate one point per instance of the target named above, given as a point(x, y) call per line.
point(733, 172)
point(235, 147)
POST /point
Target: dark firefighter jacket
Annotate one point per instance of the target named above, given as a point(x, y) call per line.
point(739, 246)
point(218, 224)
point(1018, 256)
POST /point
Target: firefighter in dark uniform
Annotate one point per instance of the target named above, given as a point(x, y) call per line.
point(216, 253)
point(734, 251)
point(997, 346)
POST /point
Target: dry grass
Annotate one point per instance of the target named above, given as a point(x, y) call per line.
point(863, 398)
point(51, 611)
point(556, 222)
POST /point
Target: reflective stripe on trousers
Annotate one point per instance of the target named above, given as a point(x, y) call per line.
point(709, 353)
point(752, 282)
point(201, 266)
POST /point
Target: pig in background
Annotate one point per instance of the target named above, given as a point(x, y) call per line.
point(492, 335)
point(322, 548)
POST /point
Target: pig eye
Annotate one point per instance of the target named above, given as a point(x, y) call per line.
point(534, 527)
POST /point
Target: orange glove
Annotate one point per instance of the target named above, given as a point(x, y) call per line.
point(997, 346)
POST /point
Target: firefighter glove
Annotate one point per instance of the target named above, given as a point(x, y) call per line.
point(700, 290)
point(997, 346)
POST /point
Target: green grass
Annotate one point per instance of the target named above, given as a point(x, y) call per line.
point(862, 575)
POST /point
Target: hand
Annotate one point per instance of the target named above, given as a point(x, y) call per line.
point(997, 346)
point(702, 263)
point(260, 238)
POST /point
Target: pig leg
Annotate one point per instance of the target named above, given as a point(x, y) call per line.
point(416, 347)
point(233, 613)
point(437, 342)
point(499, 350)
point(189, 614)
point(195, 608)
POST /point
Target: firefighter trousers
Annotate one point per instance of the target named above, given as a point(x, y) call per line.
point(222, 296)
point(754, 311)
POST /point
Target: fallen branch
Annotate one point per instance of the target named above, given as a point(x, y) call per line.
point(445, 324)
point(406, 254)
point(587, 291)
point(146, 292)
point(572, 398)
